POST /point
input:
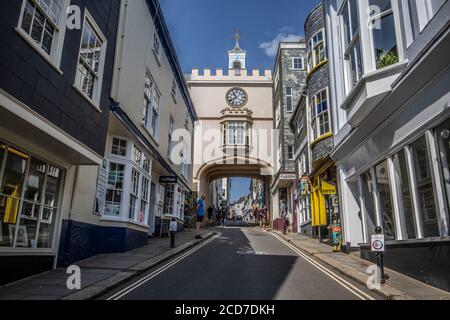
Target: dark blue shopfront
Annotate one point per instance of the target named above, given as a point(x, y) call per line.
point(80, 241)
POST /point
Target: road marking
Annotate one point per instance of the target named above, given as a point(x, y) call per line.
point(347, 285)
point(140, 282)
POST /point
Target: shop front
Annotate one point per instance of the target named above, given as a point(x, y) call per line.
point(30, 189)
point(325, 213)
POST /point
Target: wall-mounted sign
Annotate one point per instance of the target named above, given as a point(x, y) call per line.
point(168, 180)
point(102, 180)
point(288, 176)
point(328, 188)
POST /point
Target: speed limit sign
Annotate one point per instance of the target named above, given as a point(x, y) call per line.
point(377, 243)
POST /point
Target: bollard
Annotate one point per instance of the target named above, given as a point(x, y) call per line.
point(380, 258)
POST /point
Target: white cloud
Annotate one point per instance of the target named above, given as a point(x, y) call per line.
point(285, 35)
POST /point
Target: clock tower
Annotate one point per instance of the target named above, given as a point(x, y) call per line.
point(237, 56)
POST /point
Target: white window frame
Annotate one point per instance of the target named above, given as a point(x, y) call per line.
point(293, 152)
point(313, 47)
point(302, 59)
point(170, 143)
point(156, 46)
point(289, 97)
point(154, 106)
point(95, 101)
point(398, 40)
point(315, 117)
point(346, 49)
point(54, 58)
point(238, 125)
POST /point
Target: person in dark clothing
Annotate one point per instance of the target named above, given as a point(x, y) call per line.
point(210, 215)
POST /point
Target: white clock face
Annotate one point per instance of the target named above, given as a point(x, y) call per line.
point(236, 97)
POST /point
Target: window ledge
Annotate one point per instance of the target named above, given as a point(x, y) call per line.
point(317, 67)
point(89, 100)
point(39, 50)
point(321, 138)
point(372, 88)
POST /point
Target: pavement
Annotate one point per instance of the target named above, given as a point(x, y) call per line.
point(241, 263)
point(397, 287)
point(101, 273)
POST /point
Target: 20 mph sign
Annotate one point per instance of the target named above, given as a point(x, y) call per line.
point(378, 243)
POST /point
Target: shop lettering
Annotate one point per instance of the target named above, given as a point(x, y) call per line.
point(197, 311)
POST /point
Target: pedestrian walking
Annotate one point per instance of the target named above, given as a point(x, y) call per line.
point(173, 230)
point(200, 215)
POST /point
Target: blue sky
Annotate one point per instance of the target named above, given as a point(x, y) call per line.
point(202, 30)
point(239, 187)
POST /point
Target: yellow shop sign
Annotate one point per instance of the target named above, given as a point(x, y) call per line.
point(328, 188)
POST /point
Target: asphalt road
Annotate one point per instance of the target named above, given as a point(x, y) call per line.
point(243, 263)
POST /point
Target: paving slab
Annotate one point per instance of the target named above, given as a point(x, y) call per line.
point(100, 273)
point(398, 287)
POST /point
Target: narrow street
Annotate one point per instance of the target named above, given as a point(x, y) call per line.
point(241, 263)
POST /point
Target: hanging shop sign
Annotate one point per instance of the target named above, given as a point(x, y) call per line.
point(168, 180)
point(328, 188)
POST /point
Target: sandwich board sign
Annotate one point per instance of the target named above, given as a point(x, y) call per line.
point(377, 244)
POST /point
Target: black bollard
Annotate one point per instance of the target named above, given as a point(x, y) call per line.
point(380, 258)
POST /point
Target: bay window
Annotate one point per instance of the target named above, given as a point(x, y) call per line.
point(235, 133)
point(382, 25)
point(351, 43)
point(88, 79)
point(320, 115)
point(316, 50)
point(152, 99)
point(128, 188)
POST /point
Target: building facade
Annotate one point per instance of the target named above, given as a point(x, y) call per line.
point(302, 221)
point(54, 109)
point(389, 72)
point(233, 135)
point(289, 79)
point(145, 175)
point(323, 174)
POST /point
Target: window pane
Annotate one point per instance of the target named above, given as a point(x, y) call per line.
point(354, 16)
point(28, 225)
point(27, 17)
point(383, 5)
point(8, 217)
point(443, 135)
point(385, 43)
point(14, 174)
point(386, 208)
point(35, 181)
point(52, 188)
point(425, 189)
point(402, 177)
point(46, 228)
point(346, 25)
point(369, 207)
